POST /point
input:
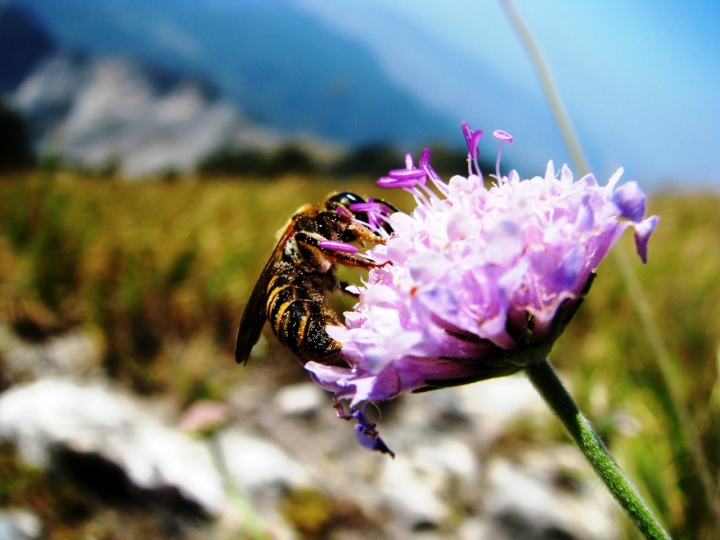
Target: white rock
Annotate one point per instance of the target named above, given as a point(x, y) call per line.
point(49, 413)
point(298, 399)
point(8, 531)
point(494, 404)
point(529, 492)
point(415, 486)
point(235, 518)
point(475, 529)
point(19, 525)
point(448, 456)
point(71, 355)
point(256, 464)
point(411, 493)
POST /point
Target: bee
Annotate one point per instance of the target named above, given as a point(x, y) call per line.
point(292, 290)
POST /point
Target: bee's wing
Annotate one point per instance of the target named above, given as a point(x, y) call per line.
point(253, 318)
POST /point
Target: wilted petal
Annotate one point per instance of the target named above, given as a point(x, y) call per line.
point(643, 230)
point(368, 436)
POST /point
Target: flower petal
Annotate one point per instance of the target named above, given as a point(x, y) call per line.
point(630, 199)
point(643, 230)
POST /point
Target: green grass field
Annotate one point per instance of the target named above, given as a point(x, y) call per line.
point(160, 273)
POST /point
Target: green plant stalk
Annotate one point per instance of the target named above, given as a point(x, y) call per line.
point(671, 377)
point(558, 111)
point(549, 386)
point(253, 528)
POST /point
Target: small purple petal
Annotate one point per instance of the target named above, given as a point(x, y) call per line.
point(334, 245)
point(472, 139)
point(502, 135)
point(375, 211)
point(630, 200)
point(467, 132)
point(643, 230)
point(367, 435)
point(377, 208)
point(424, 159)
point(402, 174)
point(392, 183)
point(409, 161)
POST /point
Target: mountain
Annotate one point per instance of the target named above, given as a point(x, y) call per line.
point(106, 112)
point(100, 111)
point(279, 66)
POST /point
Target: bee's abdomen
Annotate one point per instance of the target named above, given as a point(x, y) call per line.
point(299, 323)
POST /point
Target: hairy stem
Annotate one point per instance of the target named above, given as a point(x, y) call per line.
point(663, 360)
point(549, 386)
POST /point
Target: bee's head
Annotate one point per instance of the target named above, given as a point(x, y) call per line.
point(344, 200)
point(355, 206)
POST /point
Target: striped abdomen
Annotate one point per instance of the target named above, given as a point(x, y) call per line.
point(298, 318)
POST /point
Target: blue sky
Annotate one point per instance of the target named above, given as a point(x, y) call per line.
point(640, 79)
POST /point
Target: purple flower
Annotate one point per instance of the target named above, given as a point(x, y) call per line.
point(475, 283)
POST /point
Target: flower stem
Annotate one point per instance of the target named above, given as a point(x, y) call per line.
point(549, 386)
point(638, 298)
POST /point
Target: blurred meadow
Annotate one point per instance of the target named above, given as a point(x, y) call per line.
point(147, 263)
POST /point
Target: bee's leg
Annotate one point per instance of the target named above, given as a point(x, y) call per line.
point(309, 244)
point(363, 234)
point(335, 225)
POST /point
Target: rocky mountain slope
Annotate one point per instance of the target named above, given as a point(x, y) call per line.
point(107, 112)
point(101, 96)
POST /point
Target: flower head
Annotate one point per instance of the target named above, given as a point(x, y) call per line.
point(476, 283)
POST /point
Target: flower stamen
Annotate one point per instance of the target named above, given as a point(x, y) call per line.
point(472, 140)
point(376, 212)
point(502, 136)
point(335, 245)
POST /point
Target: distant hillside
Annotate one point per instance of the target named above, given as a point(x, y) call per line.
point(280, 67)
point(106, 112)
